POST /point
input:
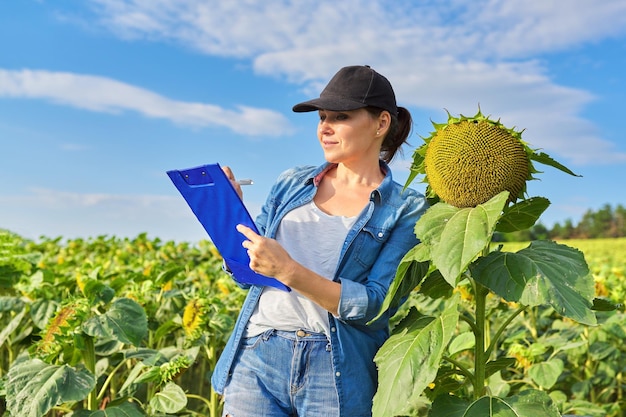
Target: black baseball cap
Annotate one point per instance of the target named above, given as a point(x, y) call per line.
point(353, 88)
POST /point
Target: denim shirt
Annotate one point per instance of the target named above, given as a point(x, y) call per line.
point(371, 253)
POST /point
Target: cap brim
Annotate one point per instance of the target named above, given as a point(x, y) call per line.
point(328, 103)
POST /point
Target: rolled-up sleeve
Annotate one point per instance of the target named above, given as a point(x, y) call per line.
point(353, 301)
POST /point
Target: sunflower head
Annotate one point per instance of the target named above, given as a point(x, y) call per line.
point(61, 328)
point(171, 370)
point(194, 318)
point(469, 160)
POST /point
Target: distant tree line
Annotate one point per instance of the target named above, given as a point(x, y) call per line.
point(607, 222)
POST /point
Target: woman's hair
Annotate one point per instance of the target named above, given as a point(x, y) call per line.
point(397, 134)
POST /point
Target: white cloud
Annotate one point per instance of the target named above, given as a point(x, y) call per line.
point(454, 56)
point(241, 28)
point(489, 29)
point(107, 95)
point(118, 205)
point(519, 27)
point(49, 212)
point(518, 94)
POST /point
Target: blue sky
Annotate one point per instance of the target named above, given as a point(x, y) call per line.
point(99, 98)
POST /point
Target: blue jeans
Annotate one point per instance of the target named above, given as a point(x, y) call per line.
point(280, 373)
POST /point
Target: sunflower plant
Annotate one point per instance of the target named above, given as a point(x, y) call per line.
point(449, 362)
point(110, 326)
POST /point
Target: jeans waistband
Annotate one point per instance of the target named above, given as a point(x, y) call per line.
point(301, 334)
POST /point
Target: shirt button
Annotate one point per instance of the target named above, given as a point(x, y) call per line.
point(332, 329)
point(380, 234)
point(337, 373)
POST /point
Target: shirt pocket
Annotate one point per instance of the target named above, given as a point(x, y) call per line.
point(368, 244)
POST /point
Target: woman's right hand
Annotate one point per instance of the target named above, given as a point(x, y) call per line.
point(233, 181)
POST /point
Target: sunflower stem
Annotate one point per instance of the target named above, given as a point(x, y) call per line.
point(89, 357)
point(480, 357)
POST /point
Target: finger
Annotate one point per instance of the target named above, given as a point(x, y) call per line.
point(229, 173)
point(231, 177)
point(246, 231)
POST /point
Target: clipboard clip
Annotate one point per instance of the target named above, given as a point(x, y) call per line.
point(195, 177)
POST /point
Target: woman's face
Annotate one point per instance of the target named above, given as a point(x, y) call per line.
point(349, 136)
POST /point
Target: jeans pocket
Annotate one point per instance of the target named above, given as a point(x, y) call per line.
point(249, 343)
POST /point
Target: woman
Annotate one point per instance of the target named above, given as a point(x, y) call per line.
point(335, 235)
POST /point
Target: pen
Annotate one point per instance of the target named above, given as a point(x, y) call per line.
point(245, 182)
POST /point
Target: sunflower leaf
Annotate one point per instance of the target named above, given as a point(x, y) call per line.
point(543, 273)
point(527, 403)
point(417, 168)
point(126, 409)
point(413, 268)
point(456, 236)
point(522, 215)
point(34, 387)
point(124, 321)
point(544, 158)
point(171, 399)
point(409, 360)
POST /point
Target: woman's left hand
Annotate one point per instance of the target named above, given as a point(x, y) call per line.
point(267, 256)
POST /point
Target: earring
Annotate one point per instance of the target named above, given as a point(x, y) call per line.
point(377, 132)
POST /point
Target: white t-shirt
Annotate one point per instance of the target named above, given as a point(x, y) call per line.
point(313, 239)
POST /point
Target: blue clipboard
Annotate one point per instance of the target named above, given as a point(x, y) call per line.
point(216, 204)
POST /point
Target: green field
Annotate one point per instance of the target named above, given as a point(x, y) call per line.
point(137, 324)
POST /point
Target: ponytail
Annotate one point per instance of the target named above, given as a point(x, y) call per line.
point(397, 134)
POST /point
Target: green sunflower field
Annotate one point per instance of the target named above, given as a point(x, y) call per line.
point(132, 327)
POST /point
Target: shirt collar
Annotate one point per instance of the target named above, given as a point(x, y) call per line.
point(382, 192)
